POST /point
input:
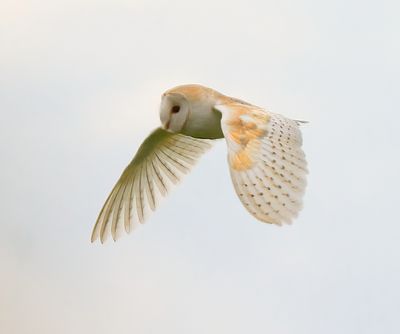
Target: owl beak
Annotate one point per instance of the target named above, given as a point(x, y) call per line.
point(166, 126)
point(166, 123)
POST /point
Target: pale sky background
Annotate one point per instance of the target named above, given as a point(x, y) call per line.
point(80, 84)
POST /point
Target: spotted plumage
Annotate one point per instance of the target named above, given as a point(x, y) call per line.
point(267, 165)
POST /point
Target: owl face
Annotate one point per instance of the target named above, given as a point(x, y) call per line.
point(174, 112)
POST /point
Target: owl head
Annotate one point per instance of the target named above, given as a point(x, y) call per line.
point(184, 106)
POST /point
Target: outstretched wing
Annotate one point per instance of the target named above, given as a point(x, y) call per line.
point(268, 167)
point(161, 160)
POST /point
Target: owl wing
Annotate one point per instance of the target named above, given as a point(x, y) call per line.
point(267, 165)
point(161, 160)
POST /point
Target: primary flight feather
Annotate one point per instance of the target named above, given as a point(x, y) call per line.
point(266, 162)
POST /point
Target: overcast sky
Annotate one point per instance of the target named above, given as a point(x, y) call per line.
point(80, 84)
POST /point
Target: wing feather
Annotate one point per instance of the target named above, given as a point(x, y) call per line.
point(149, 188)
point(180, 155)
point(128, 205)
point(161, 160)
point(118, 207)
point(158, 178)
point(164, 167)
point(108, 212)
point(173, 160)
point(267, 165)
point(139, 196)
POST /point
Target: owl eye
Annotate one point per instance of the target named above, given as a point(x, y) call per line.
point(175, 109)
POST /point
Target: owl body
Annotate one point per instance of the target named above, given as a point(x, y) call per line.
point(266, 162)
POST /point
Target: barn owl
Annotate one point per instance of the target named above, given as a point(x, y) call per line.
point(266, 163)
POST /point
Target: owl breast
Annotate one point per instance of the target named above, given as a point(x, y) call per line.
point(204, 124)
